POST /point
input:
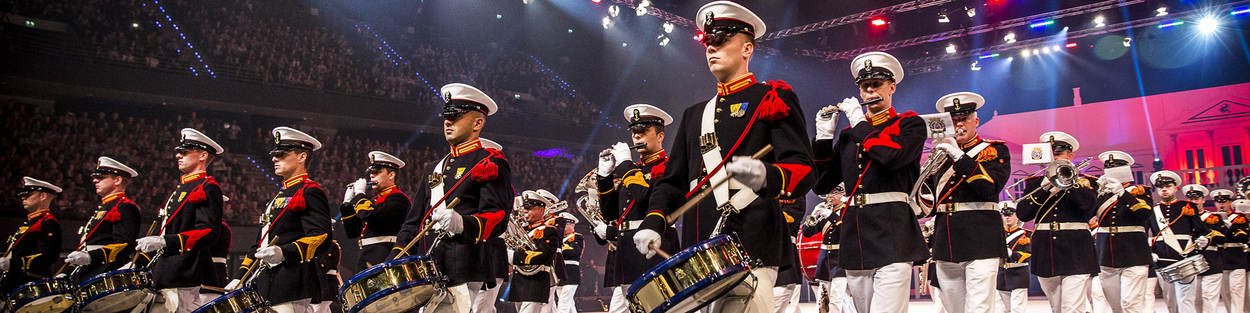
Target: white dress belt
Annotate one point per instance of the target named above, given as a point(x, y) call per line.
point(378, 239)
point(219, 260)
point(1056, 226)
point(864, 199)
point(571, 262)
point(1120, 229)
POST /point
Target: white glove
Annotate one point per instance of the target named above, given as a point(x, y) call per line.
point(620, 152)
point(826, 122)
point(272, 255)
point(1110, 185)
point(1202, 242)
point(359, 186)
point(748, 171)
point(129, 265)
point(1154, 257)
point(150, 243)
point(349, 193)
point(643, 239)
point(853, 111)
point(821, 212)
point(234, 284)
point(601, 230)
point(606, 163)
point(953, 150)
point(61, 275)
point(78, 258)
point(4, 264)
point(448, 220)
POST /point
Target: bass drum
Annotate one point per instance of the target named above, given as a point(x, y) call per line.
point(394, 286)
point(48, 295)
point(693, 278)
point(114, 291)
point(809, 253)
point(242, 300)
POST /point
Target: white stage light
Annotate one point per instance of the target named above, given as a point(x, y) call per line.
point(950, 48)
point(668, 28)
point(1208, 24)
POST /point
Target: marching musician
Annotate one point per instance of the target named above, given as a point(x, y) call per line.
point(830, 277)
point(532, 274)
point(1013, 274)
point(1063, 247)
point(715, 139)
point(34, 247)
point(624, 188)
point(185, 226)
point(571, 251)
point(1210, 281)
point(968, 222)
point(108, 237)
point(1121, 240)
point(375, 221)
point(480, 178)
point(1233, 252)
point(1180, 230)
point(295, 230)
point(496, 256)
point(878, 158)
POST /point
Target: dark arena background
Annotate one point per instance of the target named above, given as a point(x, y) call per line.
point(1168, 82)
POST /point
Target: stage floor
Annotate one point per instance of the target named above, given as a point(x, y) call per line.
point(1036, 305)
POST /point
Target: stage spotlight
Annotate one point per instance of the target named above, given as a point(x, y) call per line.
point(1010, 38)
point(1128, 41)
point(596, 1)
point(614, 10)
point(134, 25)
point(607, 22)
point(942, 18)
point(950, 48)
point(971, 11)
point(663, 40)
point(1070, 45)
point(668, 27)
point(570, 30)
point(1171, 23)
point(499, 16)
point(878, 22)
point(1055, 48)
point(1024, 53)
point(1240, 11)
point(1100, 21)
point(1040, 24)
point(1161, 11)
point(642, 7)
point(525, 1)
point(975, 67)
point(698, 37)
point(624, 44)
point(1036, 52)
point(1208, 24)
point(1046, 50)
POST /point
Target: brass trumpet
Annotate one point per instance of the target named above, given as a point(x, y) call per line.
point(1062, 174)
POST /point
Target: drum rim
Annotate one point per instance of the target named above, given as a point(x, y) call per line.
point(106, 293)
point(23, 286)
point(702, 283)
point(385, 292)
point(680, 256)
point(214, 301)
point(374, 269)
point(107, 274)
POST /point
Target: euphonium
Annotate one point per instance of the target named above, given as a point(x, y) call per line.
point(937, 157)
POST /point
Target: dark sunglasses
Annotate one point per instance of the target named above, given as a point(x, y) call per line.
point(871, 83)
point(24, 194)
point(720, 35)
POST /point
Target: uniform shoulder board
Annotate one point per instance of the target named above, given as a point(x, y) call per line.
point(993, 141)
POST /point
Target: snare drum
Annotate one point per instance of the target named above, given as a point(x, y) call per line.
point(48, 295)
point(242, 300)
point(394, 286)
point(809, 253)
point(1184, 271)
point(114, 291)
point(692, 278)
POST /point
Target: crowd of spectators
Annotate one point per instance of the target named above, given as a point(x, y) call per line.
point(62, 147)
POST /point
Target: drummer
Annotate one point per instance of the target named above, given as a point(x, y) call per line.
point(1179, 226)
point(376, 220)
point(532, 275)
point(186, 224)
point(1210, 281)
point(716, 139)
point(108, 237)
point(34, 246)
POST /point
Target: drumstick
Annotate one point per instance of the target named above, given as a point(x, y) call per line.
point(656, 248)
point(255, 263)
point(703, 194)
point(424, 229)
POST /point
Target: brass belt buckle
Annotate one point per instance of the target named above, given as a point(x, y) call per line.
point(1054, 226)
point(1114, 229)
point(950, 208)
point(728, 207)
point(707, 142)
point(860, 200)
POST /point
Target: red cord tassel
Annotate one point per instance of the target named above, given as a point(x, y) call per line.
point(657, 171)
point(113, 215)
point(486, 171)
point(772, 108)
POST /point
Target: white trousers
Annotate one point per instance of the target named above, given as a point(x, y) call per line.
point(459, 299)
point(1152, 284)
point(177, 300)
point(881, 290)
point(839, 301)
point(323, 307)
point(935, 295)
point(530, 307)
point(1234, 291)
point(1179, 297)
point(1014, 301)
point(619, 304)
point(564, 299)
point(1125, 288)
point(1097, 300)
point(759, 301)
point(968, 286)
point(1066, 294)
point(1209, 290)
point(484, 302)
point(294, 306)
point(786, 298)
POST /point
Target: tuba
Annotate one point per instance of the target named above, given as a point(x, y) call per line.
point(517, 238)
point(588, 204)
point(937, 157)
